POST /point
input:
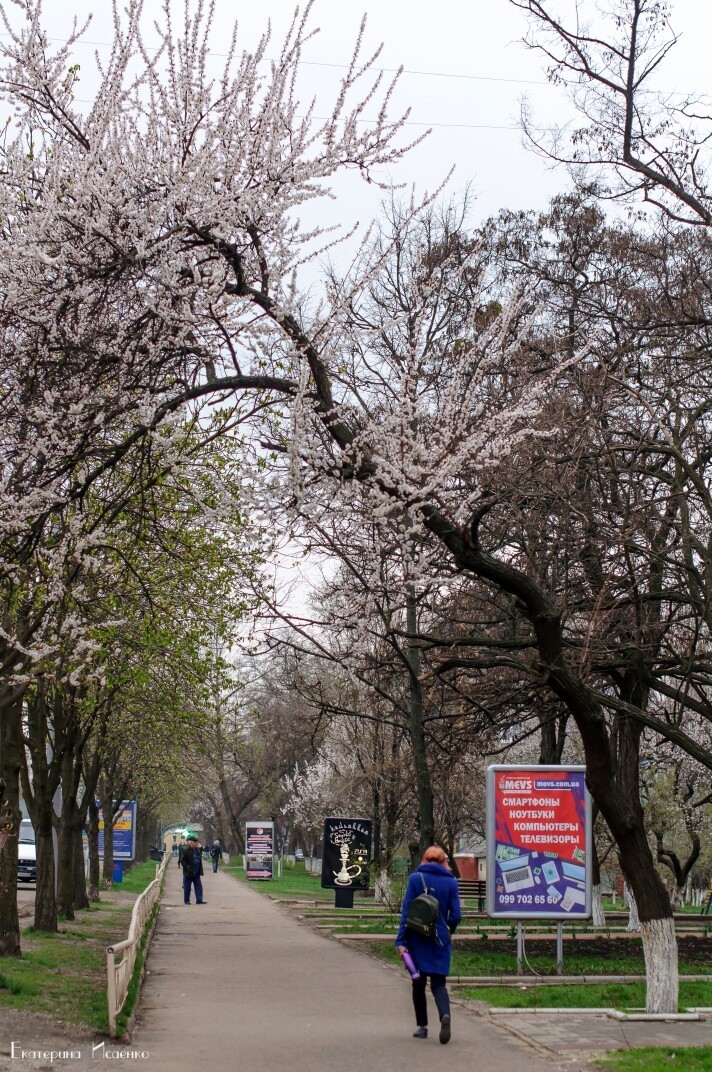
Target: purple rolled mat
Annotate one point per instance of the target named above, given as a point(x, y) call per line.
point(410, 965)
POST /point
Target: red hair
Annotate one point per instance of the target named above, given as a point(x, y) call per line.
point(436, 855)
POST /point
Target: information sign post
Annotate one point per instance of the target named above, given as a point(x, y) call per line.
point(538, 843)
point(259, 850)
point(124, 832)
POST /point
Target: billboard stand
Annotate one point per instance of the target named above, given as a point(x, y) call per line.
point(559, 948)
point(520, 947)
point(343, 898)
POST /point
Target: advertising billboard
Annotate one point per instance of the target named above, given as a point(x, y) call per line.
point(538, 843)
point(124, 831)
point(259, 850)
point(346, 854)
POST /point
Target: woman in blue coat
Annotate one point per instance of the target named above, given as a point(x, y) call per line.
point(431, 955)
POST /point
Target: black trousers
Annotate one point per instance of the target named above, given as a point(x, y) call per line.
point(442, 1000)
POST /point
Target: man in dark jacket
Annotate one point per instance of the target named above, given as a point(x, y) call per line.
point(192, 863)
point(216, 854)
point(431, 955)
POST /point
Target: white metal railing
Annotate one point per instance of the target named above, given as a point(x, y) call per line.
point(118, 975)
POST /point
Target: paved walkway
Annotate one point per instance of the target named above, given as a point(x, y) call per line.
point(239, 983)
point(581, 1033)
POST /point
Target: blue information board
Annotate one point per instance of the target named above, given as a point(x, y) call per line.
point(124, 831)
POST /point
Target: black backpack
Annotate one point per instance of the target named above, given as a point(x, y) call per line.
point(423, 913)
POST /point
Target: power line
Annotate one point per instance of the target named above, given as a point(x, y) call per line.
point(406, 123)
point(345, 66)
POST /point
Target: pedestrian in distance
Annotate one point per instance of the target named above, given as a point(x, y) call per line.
point(431, 955)
point(216, 855)
point(192, 864)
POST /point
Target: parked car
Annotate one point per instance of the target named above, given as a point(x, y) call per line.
point(298, 854)
point(26, 853)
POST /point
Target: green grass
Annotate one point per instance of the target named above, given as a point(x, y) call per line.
point(582, 996)
point(659, 1059)
point(63, 975)
point(136, 880)
point(488, 958)
point(295, 882)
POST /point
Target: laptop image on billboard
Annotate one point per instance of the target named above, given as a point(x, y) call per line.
point(516, 874)
point(573, 871)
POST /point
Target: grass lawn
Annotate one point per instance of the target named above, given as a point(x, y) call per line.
point(295, 882)
point(623, 957)
point(63, 975)
point(583, 996)
point(659, 1059)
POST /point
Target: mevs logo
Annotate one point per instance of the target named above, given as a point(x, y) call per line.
point(508, 785)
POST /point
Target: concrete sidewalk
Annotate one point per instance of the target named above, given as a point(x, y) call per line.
point(238, 983)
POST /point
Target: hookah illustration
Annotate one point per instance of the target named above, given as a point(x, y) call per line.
point(348, 872)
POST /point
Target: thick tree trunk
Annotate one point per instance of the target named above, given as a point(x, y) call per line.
point(65, 870)
point(660, 948)
point(45, 900)
point(10, 816)
point(40, 780)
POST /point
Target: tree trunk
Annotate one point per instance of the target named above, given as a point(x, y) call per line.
point(633, 919)
point(107, 809)
point(80, 878)
point(93, 840)
point(10, 817)
point(45, 899)
point(383, 888)
point(423, 781)
point(599, 916)
point(65, 870)
point(40, 779)
point(660, 949)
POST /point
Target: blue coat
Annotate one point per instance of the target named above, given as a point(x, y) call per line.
point(432, 955)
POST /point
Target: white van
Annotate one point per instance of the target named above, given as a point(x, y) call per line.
point(26, 853)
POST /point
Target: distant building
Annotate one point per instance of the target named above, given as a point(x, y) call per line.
point(471, 858)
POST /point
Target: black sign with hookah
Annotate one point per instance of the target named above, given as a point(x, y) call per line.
point(346, 854)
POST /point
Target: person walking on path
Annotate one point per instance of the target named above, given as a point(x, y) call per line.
point(192, 864)
point(216, 854)
point(431, 955)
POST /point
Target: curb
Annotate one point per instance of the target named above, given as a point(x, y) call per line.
point(612, 1014)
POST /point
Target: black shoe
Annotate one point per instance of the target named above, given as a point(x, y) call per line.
point(445, 1029)
point(422, 1032)
point(201, 902)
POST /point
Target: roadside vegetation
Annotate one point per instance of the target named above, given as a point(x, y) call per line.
point(63, 974)
point(659, 1059)
point(623, 996)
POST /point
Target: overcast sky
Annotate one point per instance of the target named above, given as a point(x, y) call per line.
point(466, 71)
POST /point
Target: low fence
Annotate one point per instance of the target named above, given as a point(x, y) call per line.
point(118, 975)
